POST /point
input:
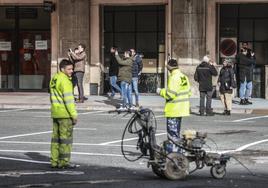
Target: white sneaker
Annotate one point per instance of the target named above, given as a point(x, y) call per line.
point(132, 108)
point(121, 108)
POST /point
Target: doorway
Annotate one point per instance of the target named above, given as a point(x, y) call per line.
point(25, 52)
point(248, 23)
point(141, 28)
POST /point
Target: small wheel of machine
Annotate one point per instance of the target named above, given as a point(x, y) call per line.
point(158, 171)
point(218, 171)
point(177, 166)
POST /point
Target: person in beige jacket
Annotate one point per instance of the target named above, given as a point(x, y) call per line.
point(79, 69)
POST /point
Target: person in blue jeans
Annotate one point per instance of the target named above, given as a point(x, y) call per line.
point(246, 61)
point(125, 76)
point(136, 72)
point(113, 73)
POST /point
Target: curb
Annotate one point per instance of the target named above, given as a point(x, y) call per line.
point(89, 107)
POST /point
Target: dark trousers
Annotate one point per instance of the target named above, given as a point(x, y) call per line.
point(78, 81)
point(208, 95)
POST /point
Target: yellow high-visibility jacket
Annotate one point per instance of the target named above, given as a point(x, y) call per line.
point(177, 95)
point(61, 97)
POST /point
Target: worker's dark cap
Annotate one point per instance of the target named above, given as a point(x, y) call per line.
point(173, 63)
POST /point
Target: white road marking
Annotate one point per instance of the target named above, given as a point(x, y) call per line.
point(38, 133)
point(14, 110)
point(73, 153)
point(83, 113)
point(23, 173)
point(251, 118)
point(250, 144)
point(129, 139)
point(86, 129)
point(23, 135)
point(91, 112)
point(75, 144)
point(241, 148)
point(25, 160)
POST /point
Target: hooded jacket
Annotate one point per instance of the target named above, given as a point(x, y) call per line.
point(137, 66)
point(125, 70)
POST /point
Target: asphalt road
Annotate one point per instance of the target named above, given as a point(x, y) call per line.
point(25, 147)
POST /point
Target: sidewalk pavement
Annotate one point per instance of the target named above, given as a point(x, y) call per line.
point(33, 100)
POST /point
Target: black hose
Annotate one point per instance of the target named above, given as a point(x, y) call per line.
point(133, 129)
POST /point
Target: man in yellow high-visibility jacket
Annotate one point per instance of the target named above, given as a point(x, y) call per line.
point(64, 114)
point(177, 102)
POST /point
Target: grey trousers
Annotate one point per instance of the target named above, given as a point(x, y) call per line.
point(208, 95)
point(79, 82)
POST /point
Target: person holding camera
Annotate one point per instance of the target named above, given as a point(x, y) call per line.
point(203, 75)
point(125, 76)
point(226, 84)
point(246, 61)
point(79, 69)
point(113, 72)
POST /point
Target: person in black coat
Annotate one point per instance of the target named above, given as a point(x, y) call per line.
point(203, 75)
point(246, 61)
point(113, 72)
point(226, 84)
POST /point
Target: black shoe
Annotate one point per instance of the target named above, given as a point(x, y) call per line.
point(247, 101)
point(69, 166)
point(224, 113)
point(80, 101)
point(210, 114)
point(85, 98)
point(228, 112)
point(242, 102)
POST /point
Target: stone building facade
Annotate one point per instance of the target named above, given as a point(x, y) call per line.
point(185, 30)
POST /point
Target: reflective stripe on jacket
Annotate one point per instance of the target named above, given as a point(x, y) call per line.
point(177, 95)
point(61, 97)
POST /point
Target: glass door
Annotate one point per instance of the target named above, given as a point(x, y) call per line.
point(34, 48)
point(7, 48)
point(25, 53)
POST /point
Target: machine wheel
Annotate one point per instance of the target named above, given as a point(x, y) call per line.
point(218, 171)
point(158, 171)
point(172, 172)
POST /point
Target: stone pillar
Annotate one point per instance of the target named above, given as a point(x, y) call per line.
point(54, 40)
point(73, 20)
point(266, 81)
point(95, 36)
point(189, 35)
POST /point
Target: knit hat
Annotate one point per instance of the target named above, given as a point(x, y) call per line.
point(206, 58)
point(173, 63)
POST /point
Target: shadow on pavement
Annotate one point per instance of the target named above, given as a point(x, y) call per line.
point(22, 174)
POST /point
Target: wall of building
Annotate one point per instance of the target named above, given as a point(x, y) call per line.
point(73, 28)
point(189, 35)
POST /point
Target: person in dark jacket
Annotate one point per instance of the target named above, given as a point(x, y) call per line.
point(226, 84)
point(125, 76)
point(113, 72)
point(203, 75)
point(246, 61)
point(136, 72)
